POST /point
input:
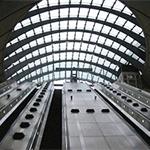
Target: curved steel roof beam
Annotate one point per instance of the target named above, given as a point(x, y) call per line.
point(135, 36)
point(15, 46)
point(120, 14)
point(20, 76)
point(13, 70)
point(50, 72)
point(135, 63)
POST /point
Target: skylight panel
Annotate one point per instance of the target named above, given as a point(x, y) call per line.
point(104, 52)
point(73, 12)
point(106, 29)
point(72, 24)
point(112, 66)
point(63, 24)
point(22, 59)
point(62, 56)
point(63, 46)
point(100, 61)
point(68, 64)
point(31, 65)
point(19, 50)
point(127, 11)
point(135, 56)
point(83, 12)
point(75, 1)
point(93, 13)
point(129, 25)
point(112, 18)
point(63, 35)
point(8, 44)
point(86, 36)
point(102, 15)
point(55, 25)
point(14, 41)
point(101, 40)
point(30, 33)
point(94, 38)
point(64, 1)
point(84, 46)
point(113, 32)
point(37, 62)
point(42, 4)
point(117, 57)
point(70, 46)
point(64, 12)
point(38, 30)
point(42, 50)
point(69, 55)
point(136, 44)
point(55, 36)
point(122, 48)
point(118, 6)
point(121, 35)
point(43, 60)
point(137, 29)
point(81, 24)
point(33, 8)
point(98, 50)
point(49, 48)
point(47, 38)
point(22, 37)
point(82, 56)
point(35, 53)
point(110, 54)
point(89, 25)
point(123, 61)
point(86, 2)
point(35, 19)
point(54, 14)
point(91, 48)
point(71, 35)
point(56, 47)
point(40, 41)
point(141, 61)
point(120, 21)
point(115, 45)
point(97, 27)
point(128, 52)
point(33, 43)
point(29, 56)
point(97, 2)
point(53, 2)
point(94, 59)
point(79, 35)
point(26, 46)
point(129, 39)
point(18, 26)
point(26, 22)
point(46, 27)
point(44, 16)
point(56, 57)
point(75, 56)
point(97, 70)
point(108, 3)
point(49, 58)
point(62, 74)
point(77, 46)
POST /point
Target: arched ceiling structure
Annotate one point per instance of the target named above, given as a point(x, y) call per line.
point(97, 34)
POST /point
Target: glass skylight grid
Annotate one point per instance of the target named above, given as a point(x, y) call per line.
point(75, 37)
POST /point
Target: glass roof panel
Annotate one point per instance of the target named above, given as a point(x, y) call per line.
point(64, 42)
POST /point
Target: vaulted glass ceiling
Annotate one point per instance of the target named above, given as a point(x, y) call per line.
point(97, 34)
